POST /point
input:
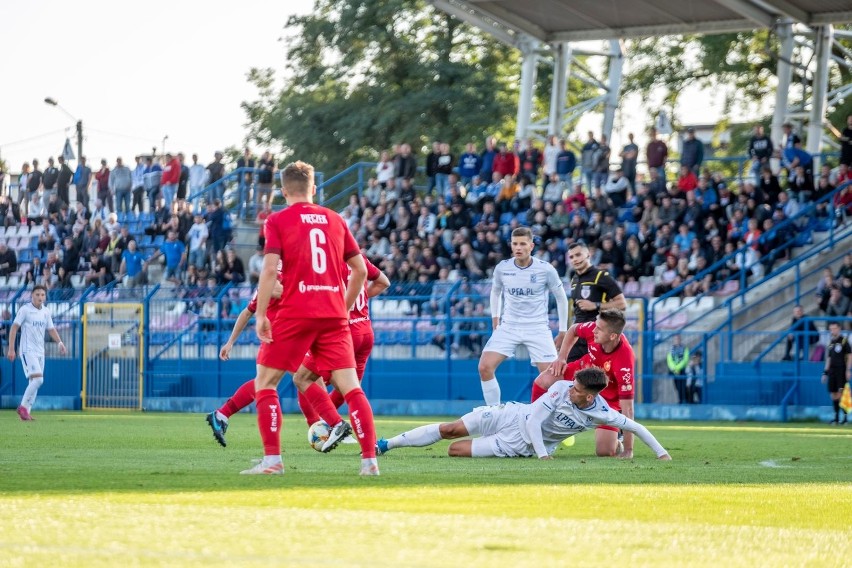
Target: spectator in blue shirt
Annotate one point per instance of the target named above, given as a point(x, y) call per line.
point(486, 164)
point(131, 272)
point(566, 163)
point(795, 157)
point(174, 252)
point(470, 164)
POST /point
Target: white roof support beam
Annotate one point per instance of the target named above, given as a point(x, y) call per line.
point(786, 8)
point(785, 75)
point(473, 18)
point(750, 11)
point(824, 37)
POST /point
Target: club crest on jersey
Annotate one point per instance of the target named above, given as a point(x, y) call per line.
point(585, 292)
point(607, 366)
point(533, 278)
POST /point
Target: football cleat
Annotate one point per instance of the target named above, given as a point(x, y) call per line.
point(340, 431)
point(382, 447)
point(219, 428)
point(369, 467)
point(24, 414)
point(260, 469)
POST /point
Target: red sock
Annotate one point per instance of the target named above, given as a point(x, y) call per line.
point(239, 400)
point(269, 421)
point(321, 403)
point(307, 408)
point(537, 391)
point(361, 418)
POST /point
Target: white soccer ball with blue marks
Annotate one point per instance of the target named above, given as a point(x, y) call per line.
point(318, 434)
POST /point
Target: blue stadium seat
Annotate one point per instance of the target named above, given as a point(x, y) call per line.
point(506, 218)
point(158, 240)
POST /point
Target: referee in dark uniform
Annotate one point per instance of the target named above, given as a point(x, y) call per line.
point(838, 368)
point(592, 290)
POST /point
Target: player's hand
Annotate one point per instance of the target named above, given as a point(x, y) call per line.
point(824, 378)
point(557, 368)
point(665, 457)
point(586, 305)
point(263, 329)
point(625, 455)
point(10, 355)
point(277, 290)
point(225, 352)
point(62, 349)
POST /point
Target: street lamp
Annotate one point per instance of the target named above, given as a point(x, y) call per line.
point(52, 102)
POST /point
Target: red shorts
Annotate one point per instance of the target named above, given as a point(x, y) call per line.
point(615, 405)
point(363, 346)
point(329, 338)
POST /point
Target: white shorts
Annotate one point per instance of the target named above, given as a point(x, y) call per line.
point(497, 431)
point(32, 364)
point(537, 339)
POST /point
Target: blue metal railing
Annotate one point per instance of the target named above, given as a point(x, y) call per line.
point(791, 224)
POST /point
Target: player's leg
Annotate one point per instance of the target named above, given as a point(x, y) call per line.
point(425, 436)
point(546, 380)
point(34, 371)
point(542, 351)
point(362, 345)
point(606, 441)
point(836, 382)
point(313, 396)
point(501, 344)
point(218, 419)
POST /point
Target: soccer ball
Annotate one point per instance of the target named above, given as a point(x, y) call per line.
point(318, 434)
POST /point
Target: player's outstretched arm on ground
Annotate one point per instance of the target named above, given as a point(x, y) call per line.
point(541, 411)
point(644, 434)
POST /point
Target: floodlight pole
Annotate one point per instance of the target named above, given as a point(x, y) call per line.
point(559, 89)
point(785, 75)
point(52, 102)
point(613, 92)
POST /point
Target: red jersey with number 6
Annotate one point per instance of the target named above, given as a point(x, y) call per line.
point(314, 243)
point(618, 365)
point(359, 315)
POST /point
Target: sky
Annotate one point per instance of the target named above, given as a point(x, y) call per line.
point(133, 76)
point(176, 69)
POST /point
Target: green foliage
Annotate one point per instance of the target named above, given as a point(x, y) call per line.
point(362, 75)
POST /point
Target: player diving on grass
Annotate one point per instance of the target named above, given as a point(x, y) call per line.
point(525, 430)
point(33, 320)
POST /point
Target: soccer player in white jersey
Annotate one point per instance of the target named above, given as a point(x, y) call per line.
point(526, 430)
point(33, 320)
point(519, 302)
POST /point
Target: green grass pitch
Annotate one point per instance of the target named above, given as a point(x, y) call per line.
point(92, 489)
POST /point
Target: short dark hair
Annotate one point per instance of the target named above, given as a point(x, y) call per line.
point(580, 243)
point(39, 287)
point(522, 232)
point(614, 320)
point(593, 379)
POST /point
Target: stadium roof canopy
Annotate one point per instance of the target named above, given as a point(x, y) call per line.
point(578, 20)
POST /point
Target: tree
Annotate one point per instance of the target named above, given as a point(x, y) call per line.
point(744, 64)
point(362, 75)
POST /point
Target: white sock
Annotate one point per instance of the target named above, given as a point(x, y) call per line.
point(422, 436)
point(491, 392)
point(30, 394)
point(221, 417)
point(271, 460)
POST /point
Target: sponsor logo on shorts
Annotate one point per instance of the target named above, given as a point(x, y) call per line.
point(303, 288)
point(358, 320)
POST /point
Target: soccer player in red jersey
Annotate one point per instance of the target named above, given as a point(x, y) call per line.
point(313, 243)
point(362, 341)
point(609, 350)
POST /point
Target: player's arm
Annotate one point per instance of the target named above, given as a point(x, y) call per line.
point(378, 285)
point(541, 411)
point(55, 336)
point(558, 366)
point(561, 314)
point(496, 297)
point(268, 277)
point(239, 326)
point(356, 279)
point(618, 302)
point(13, 334)
point(632, 427)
